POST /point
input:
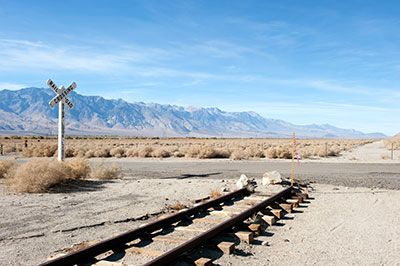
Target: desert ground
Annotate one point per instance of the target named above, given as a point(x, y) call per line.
point(352, 218)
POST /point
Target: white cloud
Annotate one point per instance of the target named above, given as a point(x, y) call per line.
point(360, 117)
point(55, 58)
point(21, 42)
point(223, 49)
point(308, 108)
point(327, 85)
point(11, 86)
point(23, 55)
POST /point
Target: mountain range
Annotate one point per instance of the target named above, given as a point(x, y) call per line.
point(27, 112)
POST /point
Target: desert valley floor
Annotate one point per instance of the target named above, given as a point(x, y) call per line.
point(352, 218)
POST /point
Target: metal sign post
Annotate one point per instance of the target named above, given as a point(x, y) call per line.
point(61, 99)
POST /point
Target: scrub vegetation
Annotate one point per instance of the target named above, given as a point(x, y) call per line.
point(43, 175)
point(395, 141)
point(199, 148)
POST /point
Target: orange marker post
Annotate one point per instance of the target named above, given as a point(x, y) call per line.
point(293, 159)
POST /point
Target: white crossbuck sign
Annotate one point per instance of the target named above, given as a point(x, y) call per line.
point(61, 94)
point(60, 99)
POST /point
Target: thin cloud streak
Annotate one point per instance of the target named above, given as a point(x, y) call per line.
point(308, 108)
point(11, 86)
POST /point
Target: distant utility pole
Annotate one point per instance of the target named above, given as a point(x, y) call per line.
point(392, 152)
point(326, 149)
point(62, 99)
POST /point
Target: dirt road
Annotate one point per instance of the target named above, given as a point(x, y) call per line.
point(380, 175)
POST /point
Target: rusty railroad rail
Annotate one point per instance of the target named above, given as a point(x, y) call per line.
point(166, 258)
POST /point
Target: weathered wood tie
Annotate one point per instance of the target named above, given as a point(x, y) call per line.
point(118, 241)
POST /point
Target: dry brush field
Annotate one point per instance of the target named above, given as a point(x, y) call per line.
point(395, 141)
point(46, 175)
point(40, 175)
point(200, 148)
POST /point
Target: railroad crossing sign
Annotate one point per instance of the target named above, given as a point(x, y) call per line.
point(61, 94)
point(60, 99)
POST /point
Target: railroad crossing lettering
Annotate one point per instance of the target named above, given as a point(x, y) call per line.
point(61, 94)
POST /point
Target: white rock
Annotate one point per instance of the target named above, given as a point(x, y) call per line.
point(273, 177)
point(242, 182)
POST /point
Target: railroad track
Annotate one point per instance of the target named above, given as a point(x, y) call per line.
point(228, 215)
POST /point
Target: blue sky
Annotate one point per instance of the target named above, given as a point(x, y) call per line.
point(335, 62)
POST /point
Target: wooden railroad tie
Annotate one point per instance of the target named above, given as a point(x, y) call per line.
point(304, 196)
point(157, 253)
point(257, 197)
point(267, 195)
point(106, 263)
point(298, 198)
point(207, 221)
point(225, 247)
point(246, 202)
point(146, 251)
point(190, 229)
point(284, 206)
point(270, 207)
point(255, 228)
point(170, 239)
point(237, 207)
point(294, 202)
point(269, 219)
point(244, 236)
point(225, 213)
point(203, 262)
point(276, 212)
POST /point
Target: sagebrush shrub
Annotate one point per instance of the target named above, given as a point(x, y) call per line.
point(117, 152)
point(102, 172)
point(7, 149)
point(5, 167)
point(79, 167)
point(271, 153)
point(38, 176)
point(145, 151)
point(237, 154)
point(161, 153)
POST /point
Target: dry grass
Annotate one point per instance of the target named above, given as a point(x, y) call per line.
point(215, 194)
point(38, 176)
point(395, 141)
point(199, 148)
point(102, 172)
point(238, 154)
point(79, 168)
point(44, 175)
point(177, 206)
point(6, 167)
point(80, 246)
point(8, 149)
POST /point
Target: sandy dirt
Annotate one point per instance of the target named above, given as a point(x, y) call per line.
point(351, 220)
point(347, 226)
point(370, 153)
